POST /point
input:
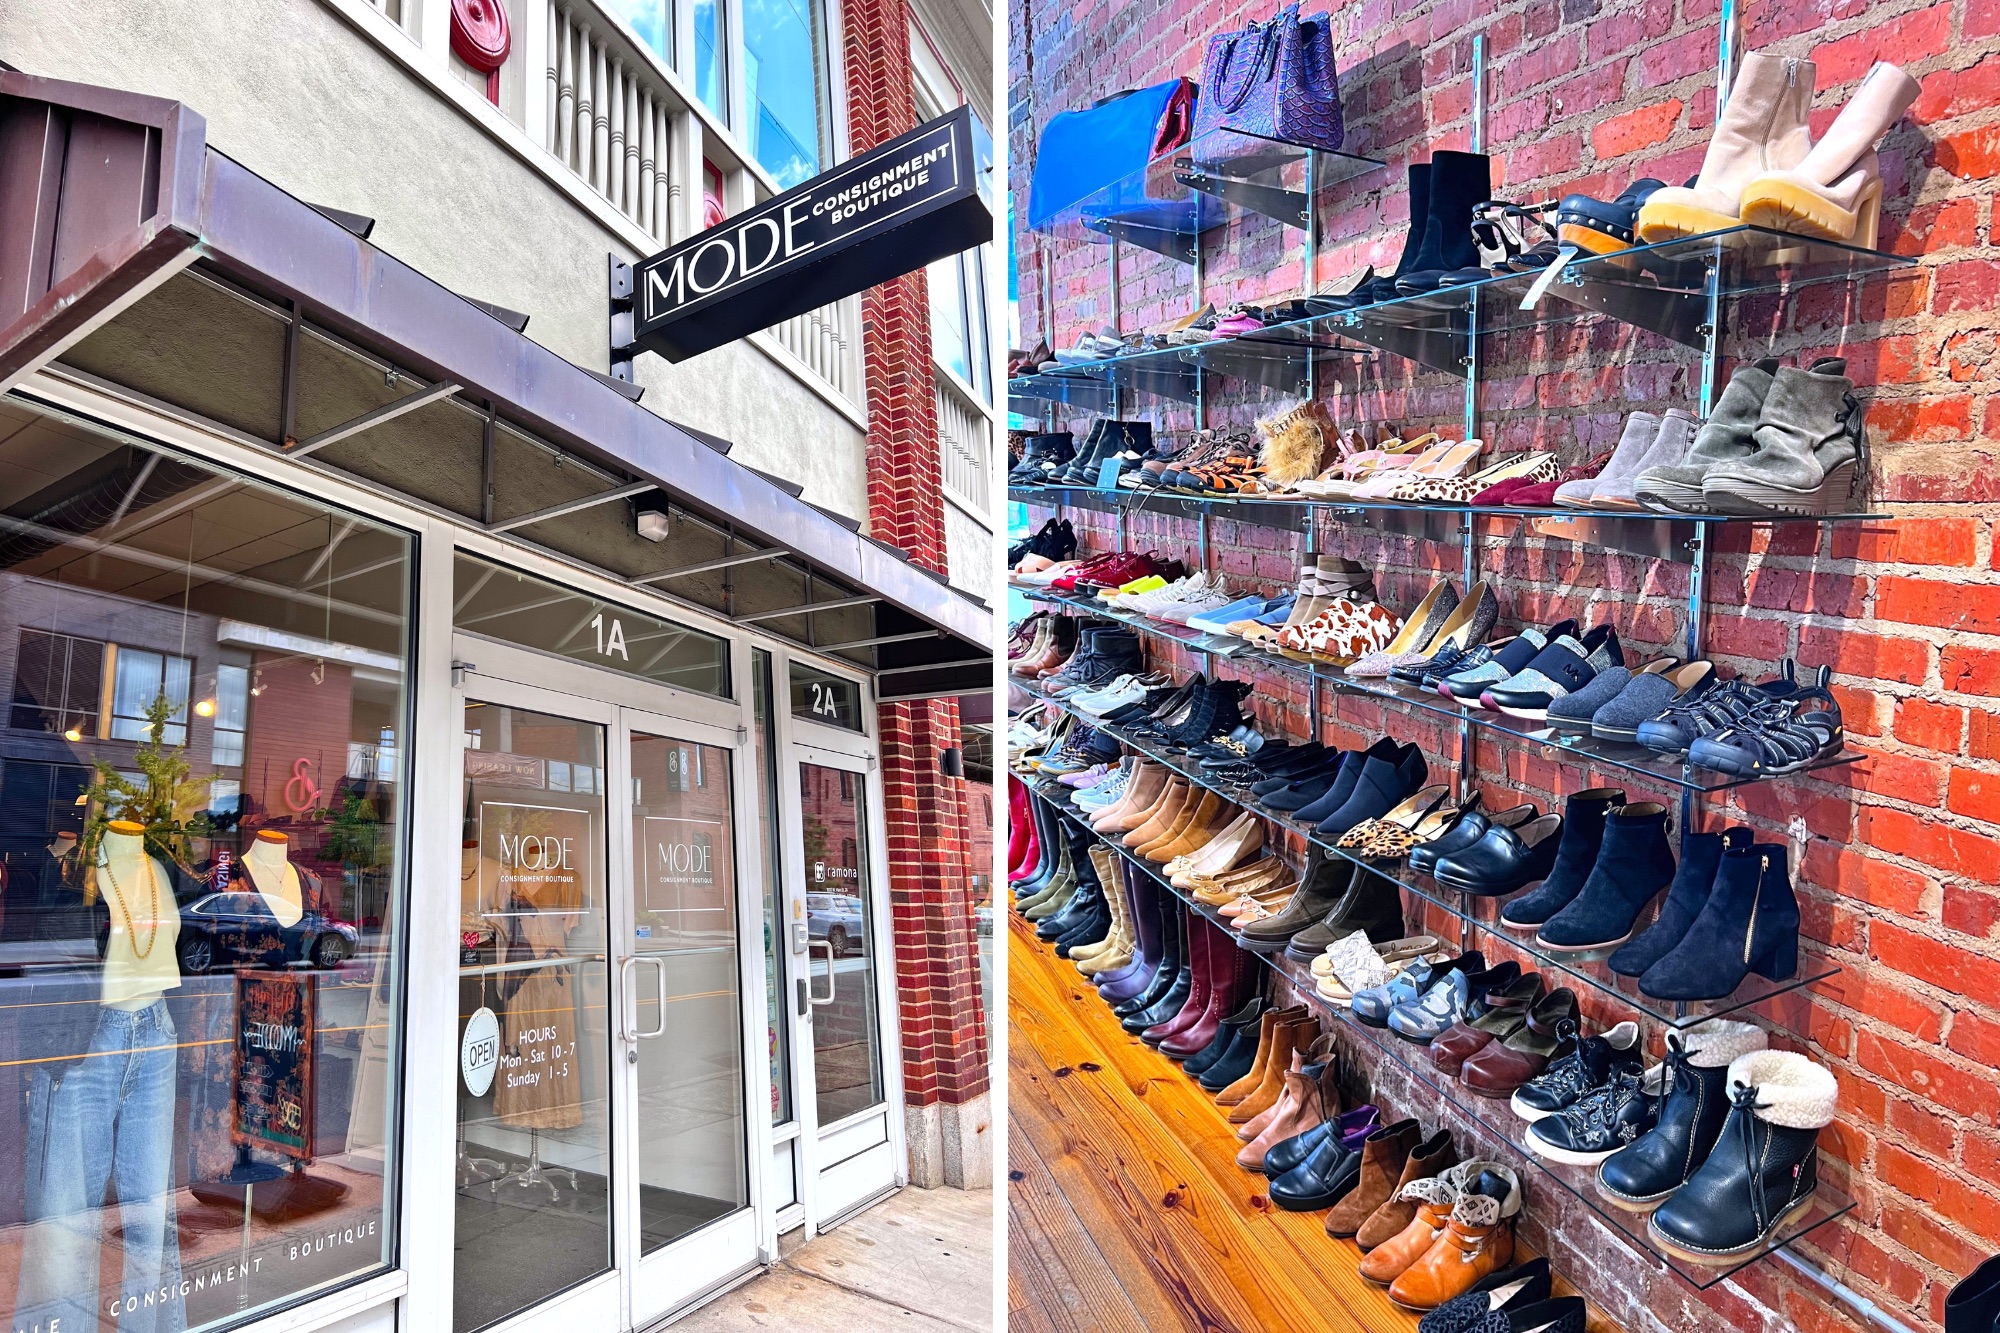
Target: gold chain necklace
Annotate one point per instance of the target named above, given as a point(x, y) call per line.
point(131, 927)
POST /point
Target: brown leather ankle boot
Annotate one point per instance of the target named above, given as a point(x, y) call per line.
point(1382, 1159)
point(1432, 1157)
point(1297, 1111)
point(1289, 1037)
point(1267, 1035)
point(1173, 798)
point(1200, 808)
point(1478, 1240)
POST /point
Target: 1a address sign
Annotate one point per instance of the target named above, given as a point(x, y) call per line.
point(819, 697)
point(534, 613)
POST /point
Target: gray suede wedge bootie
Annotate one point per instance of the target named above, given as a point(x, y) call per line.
point(1727, 436)
point(1810, 445)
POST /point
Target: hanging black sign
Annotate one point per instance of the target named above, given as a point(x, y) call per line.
point(875, 217)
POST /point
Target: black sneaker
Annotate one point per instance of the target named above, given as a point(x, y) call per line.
point(1601, 1121)
point(1588, 1064)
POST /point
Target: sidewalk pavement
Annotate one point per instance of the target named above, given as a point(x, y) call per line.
point(921, 1261)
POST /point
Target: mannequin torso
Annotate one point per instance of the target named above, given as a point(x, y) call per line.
point(139, 953)
point(275, 877)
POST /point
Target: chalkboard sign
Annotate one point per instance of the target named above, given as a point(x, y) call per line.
point(272, 1104)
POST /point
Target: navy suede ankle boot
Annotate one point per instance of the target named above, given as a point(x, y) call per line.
point(1701, 857)
point(1635, 863)
point(1583, 831)
point(1749, 924)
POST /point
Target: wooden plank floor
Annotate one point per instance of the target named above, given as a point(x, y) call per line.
point(1126, 1209)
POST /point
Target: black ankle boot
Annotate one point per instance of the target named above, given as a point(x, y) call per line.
point(1974, 1304)
point(1384, 288)
point(1635, 864)
point(1582, 835)
point(1764, 1166)
point(1460, 182)
point(1701, 857)
point(1082, 470)
point(1044, 456)
point(1658, 1162)
point(1749, 924)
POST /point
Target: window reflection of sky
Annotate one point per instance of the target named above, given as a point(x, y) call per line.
point(650, 20)
point(782, 66)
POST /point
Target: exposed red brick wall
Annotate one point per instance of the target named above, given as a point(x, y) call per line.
point(1900, 878)
point(930, 853)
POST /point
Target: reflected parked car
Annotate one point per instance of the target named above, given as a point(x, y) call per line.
point(835, 918)
point(236, 929)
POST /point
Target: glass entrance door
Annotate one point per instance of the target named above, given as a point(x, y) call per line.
point(851, 1154)
point(686, 1024)
point(604, 1137)
point(535, 1193)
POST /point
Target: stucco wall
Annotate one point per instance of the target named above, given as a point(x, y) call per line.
point(296, 94)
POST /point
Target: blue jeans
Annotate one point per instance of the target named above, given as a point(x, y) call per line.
point(106, 1119)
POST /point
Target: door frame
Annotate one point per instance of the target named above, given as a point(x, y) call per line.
point(640, 1290)
point(802, 741)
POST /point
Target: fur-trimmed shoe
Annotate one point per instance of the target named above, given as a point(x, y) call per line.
point(1765, 1164)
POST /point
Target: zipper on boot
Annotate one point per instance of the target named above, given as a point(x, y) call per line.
point(1750, 932)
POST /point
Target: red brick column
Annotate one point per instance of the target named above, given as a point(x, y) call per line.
point(930, 851)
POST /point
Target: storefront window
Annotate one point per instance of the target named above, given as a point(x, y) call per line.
point(199, 892)
point(847, 1053)
point(693, 1154)
point(784, 65)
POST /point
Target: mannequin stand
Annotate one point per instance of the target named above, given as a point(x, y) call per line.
point(534, 1177)
point(475, 1170)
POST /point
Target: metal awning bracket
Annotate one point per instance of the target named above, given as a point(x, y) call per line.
point(387, 412)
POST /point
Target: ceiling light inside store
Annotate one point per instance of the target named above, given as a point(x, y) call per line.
point(206, 708)
point(73, 735)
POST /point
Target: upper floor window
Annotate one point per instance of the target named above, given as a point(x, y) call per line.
point(785, 87)
point(140, 679)
point(784, 66)
point(961, 340)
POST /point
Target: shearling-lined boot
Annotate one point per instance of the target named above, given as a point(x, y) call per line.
point(1764, 1166)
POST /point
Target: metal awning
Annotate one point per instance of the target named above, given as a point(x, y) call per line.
point(120, 227)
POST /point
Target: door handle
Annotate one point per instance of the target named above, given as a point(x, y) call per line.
point(629, 1013)
point(831, 983)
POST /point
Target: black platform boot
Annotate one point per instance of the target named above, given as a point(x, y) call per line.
point(1765, 1164)
point(1644, 1173)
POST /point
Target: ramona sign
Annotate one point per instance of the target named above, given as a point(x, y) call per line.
point(885, 213)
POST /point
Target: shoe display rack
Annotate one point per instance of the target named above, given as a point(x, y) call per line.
point(1686, 292)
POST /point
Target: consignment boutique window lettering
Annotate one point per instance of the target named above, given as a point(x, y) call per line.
point(198, 999)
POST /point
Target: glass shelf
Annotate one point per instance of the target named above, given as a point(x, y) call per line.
point(1480, 916)
point(1493, 1118)
point(1663, 536)
point(1554, 743)
point(1663, 288)
point(1167, 204)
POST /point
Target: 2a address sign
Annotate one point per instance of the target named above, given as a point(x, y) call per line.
point(820, 697)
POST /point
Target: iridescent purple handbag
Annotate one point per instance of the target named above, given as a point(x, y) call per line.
point(1274, 79)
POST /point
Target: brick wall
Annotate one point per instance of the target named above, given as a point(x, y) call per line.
point(1900, 873)
point(930, 851)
